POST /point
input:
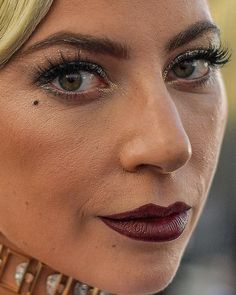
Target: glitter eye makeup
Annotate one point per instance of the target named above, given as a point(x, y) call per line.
point(81, 80)
point(72, 79)
point(195, 67)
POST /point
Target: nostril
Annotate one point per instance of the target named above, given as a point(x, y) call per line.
point(150, 166)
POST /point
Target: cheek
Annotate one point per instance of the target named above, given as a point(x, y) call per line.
point(48, 178)
point(205, 124)
point(208, 136)
point(48, 165)
point(204, 117)
point(54, 159)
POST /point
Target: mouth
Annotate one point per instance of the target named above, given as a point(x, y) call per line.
point(151, 222)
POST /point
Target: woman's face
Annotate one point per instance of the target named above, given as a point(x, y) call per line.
point(141, 127)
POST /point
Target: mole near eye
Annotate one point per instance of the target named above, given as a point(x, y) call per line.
point(35, 102)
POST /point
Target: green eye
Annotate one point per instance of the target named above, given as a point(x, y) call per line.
point(77, 82)
point(191, 69)
point(70, 82)
point(184, 70)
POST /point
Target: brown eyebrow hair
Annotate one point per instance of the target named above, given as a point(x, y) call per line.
point(87, 42)
point(193, 32)
point(116, 49)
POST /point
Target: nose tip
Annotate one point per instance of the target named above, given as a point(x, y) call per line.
point(155, 136)
point(175, 156)
point(165, 156)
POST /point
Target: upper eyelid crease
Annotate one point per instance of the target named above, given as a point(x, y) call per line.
point(116, 49)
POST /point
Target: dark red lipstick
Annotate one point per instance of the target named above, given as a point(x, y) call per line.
point(151, 222)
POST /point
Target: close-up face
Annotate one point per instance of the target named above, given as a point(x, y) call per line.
point(107, 107)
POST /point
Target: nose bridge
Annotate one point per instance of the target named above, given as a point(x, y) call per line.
point(159, 136)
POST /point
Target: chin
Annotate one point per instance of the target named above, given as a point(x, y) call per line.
point(152, 284)
point(141, 281)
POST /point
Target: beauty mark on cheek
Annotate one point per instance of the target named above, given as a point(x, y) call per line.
point(36, 102)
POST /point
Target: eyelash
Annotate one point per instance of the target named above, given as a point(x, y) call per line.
point(43, 76)
point(216, 57)
point(62, 65)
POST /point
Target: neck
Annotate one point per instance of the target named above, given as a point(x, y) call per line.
point(23, 274)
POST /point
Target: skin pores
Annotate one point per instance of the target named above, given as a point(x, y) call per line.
point(144, 141)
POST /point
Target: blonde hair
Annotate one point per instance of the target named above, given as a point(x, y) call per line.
point(18, 19)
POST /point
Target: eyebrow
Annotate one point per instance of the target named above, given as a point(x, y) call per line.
point(116, 49)
point(87, 42)
point(193, 32)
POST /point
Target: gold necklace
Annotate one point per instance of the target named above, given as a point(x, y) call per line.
point(24, 272)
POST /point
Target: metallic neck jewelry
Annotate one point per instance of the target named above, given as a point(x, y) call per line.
point(20, 274)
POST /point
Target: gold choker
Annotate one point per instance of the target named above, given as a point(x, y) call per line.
point(19, 274)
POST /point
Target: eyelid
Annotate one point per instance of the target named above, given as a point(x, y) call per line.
point(180, 58)
point(61, 64)
point(46, 74)
point(216, 56)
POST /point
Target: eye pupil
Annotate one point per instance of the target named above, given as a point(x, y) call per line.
point(184, 69)
point(70, 82)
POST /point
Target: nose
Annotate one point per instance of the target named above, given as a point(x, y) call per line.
point(156, 136)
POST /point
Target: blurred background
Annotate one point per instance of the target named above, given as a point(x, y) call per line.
point(209, 264)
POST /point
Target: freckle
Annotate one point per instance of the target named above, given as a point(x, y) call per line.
point(26, 203)
point(113, 246)
point(36, 102)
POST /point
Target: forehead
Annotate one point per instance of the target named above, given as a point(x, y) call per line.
point(136, 20)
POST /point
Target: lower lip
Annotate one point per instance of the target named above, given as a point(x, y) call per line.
point(151, 229)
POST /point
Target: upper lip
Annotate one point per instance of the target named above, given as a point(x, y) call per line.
point(151, 211)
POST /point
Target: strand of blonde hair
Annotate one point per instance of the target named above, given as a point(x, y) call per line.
point(18, 19)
